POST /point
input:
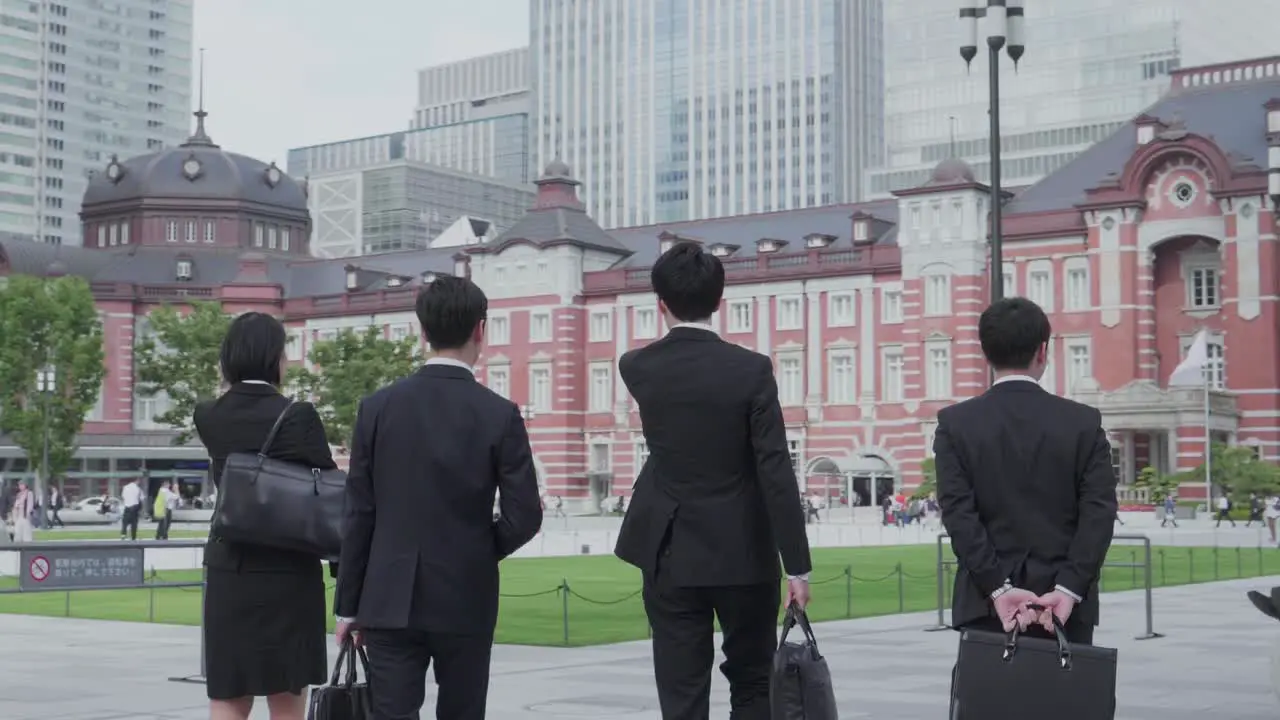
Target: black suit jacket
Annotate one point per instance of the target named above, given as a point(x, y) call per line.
point(239, 421)
point(421, 546)
point(1028, 494)
point(717, 498)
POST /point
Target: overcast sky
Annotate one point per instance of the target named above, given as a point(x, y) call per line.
point(286, 73)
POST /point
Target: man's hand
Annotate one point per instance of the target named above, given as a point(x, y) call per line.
point(345, 630)
point(797, 592)
point(1011, 608)
point(1056, 604)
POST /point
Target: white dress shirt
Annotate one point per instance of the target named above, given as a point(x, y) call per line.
point(131, 495)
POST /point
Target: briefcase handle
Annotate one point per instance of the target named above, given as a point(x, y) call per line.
point(348, 654)
point(275, 429)
point(1064, 647)
point(797, 616)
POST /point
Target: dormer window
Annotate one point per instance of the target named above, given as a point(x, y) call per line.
point(860, 233)
point(665, 245)
point(460, 267)
point(818, 240)
point(353, 279)
point(1146, 133)
point(1148, 128)
point(428, 278)
point(769, 245)
point(395, 281)
point(183, 270)
point(723, 250)
point(1273, 116)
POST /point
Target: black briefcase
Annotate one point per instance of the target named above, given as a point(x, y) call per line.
point(280, 504)
point(800, 686)
point(1000, 675)
point(343, 699)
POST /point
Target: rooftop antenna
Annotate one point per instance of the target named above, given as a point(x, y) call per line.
point(200, 136)
point(951, 123)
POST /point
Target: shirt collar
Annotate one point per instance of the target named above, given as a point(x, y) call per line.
point(1015, 378)
point(696, 326)
point(256, 382)
point(451, 363)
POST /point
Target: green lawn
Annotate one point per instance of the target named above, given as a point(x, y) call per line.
point(603, 603)
point(144, 533)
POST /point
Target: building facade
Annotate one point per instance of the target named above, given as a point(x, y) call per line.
point(675, 110)
point(472, 89)
point(1090, 66)
point(83, 82)
point(869, 311)
point(403, 205)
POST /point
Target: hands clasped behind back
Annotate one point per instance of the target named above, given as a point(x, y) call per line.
point(1022, 608)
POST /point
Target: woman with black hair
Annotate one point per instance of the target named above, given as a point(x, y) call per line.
point(264, 614)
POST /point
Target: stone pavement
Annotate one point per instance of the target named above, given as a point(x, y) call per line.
point(1214, 661)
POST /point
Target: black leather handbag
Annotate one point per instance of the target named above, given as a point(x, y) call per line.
point(800, 686)
point(1008, 676)
point(280, 504)
point(344, 698)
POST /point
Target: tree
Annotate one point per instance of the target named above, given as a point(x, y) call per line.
point(1237, 472)
point(929, 486)
point(1160, 486)
point(349, 368)
point(48, 324)
point(179, 358)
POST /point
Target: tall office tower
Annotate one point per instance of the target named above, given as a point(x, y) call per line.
point(476, 88)
point(1090, 66)
point(685, 109)
point(83, 81)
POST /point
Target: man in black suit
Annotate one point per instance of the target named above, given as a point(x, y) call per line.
point(1027, 489)
point(418, 574)
point(716, 501)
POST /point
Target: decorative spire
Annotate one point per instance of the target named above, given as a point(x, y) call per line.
point(200, 138)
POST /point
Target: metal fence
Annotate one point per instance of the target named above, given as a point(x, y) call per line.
point(946, 563)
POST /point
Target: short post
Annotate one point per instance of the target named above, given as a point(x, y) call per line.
point(848, 591)
point(1163, 577)
point(1133, 568)
point(564, 608)
point(1215, 562)
point(1239, 563)
point(942, 574)
point(66, 604)
point(1191, 564)
point(1260, 566)
point(902, 598)
point(1147, 582)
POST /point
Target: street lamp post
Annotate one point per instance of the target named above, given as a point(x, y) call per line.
point(1002, 22)
point(46, 382)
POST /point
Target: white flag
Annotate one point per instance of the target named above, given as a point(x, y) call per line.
point(1190, 372)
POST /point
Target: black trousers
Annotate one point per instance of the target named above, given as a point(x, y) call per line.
point(398, 663)
point(162, 525)
point(683, 622)
point(129, 522)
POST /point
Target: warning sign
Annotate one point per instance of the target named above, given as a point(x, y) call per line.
point(39, 568)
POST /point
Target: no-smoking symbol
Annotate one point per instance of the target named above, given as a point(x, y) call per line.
point(39, 568)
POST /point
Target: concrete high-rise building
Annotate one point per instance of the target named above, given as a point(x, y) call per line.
point(472, 89)
point(84, 82)
point(1090, 66)
point(673, 110)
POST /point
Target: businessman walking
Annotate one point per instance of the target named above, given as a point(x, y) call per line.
point(716, 502)
point(1027, 489)
point(418, 576)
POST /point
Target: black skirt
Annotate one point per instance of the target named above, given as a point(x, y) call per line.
point(265, 633)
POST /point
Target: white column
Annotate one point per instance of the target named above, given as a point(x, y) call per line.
point(764, 326)
point(867, 359)
point(814, 351)
point(620, 346)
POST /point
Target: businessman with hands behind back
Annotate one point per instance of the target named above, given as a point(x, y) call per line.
point(419, 566)
point(716, 501)
point(1027, 489)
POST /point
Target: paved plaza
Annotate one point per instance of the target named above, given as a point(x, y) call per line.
point(1213, 662)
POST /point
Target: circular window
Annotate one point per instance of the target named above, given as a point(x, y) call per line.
point(1183, 193)
point(1109, 223)
point(1246, 211)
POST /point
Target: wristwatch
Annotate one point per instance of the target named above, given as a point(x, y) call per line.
point(1006, 587)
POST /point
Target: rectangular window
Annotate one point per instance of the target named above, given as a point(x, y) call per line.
point(1202, 288)
point(271, 238)
point(499, 377)
point(600, 328)
point(102, 236)
point(600, 457)
point(284, 238)
point(124, 233)
point(841, 385)
point(540, 326)
point(499, 330)
point(1077, 291)
point(1010, 281)
point(399, 331)
point(171, 231)
point(1079, 364)
point(793, 449)
point(840, 310)
point(1216, 368)
point(209, 231)
point(891, 306)
point(646, 320)
point(1040, 289)
point(293, 347)
point(601, 395)
point(957, 218)
point(642, 455)
point(937, 295)
point(892, 389)
point(259, 233)
point(938, 372)
point(790, 313)
point(540, 387)
point(790, 381)
point(114, 235)
point(191, 231)
point(740, 316)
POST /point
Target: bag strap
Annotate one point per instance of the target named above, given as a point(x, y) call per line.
point(348, 654)
point(344, 655)
point(797, 616)
point(275, 429)
point(1064, 646)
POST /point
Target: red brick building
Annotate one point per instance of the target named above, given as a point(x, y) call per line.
point(869, 311)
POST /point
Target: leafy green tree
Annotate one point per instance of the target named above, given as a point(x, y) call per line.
point(1238, 472)
point(928, 486)
point(1159, 485)
point(348, 368)
point(48, 324)
point(179, 358)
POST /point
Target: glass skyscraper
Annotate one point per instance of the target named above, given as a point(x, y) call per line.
point(685, 109)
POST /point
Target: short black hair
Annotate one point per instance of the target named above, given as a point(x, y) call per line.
point(689, 281)
point(1011, 330)
point(253, 349)
point(449, 309)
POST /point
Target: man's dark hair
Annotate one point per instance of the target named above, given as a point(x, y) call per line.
point(253, 349)
point(449, 310)
point(1011, 331)
point(689, 281)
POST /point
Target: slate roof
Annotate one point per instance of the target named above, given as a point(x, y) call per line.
point(745, 230)
point(558, 216)
point(1231, 115)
